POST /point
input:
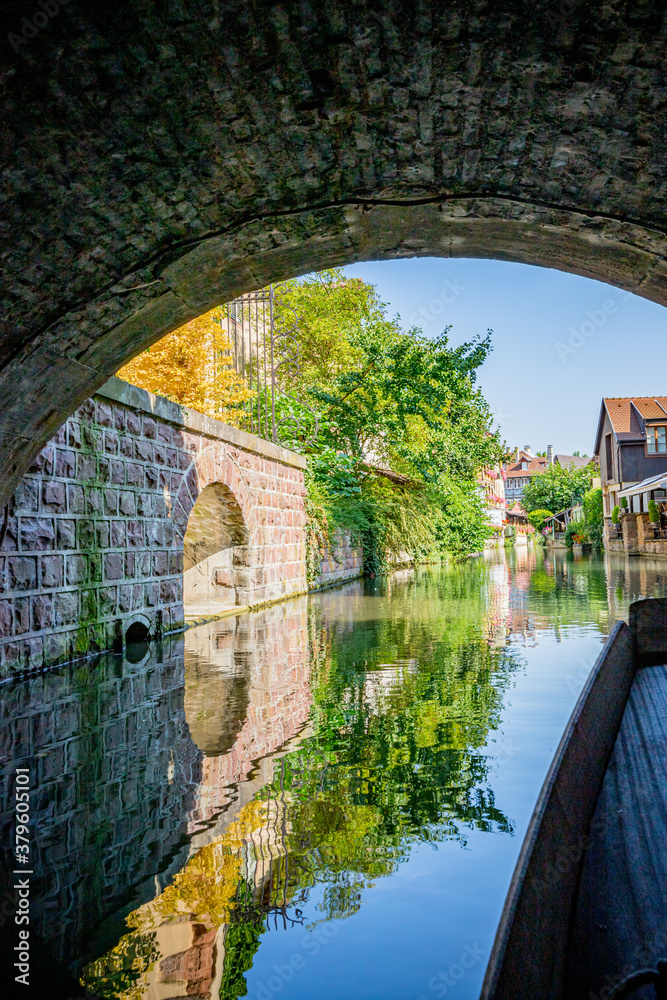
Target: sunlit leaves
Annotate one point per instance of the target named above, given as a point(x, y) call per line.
point(557, 488)
point(393, 399)
point(192, 366)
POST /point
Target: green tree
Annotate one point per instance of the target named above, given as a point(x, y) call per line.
point(557, 488)
point(403, 428)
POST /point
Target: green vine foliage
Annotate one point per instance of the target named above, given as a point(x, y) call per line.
point(538, 518)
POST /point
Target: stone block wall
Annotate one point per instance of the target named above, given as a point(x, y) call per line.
point(92, 541)
point(343, 560)
point(638, 537)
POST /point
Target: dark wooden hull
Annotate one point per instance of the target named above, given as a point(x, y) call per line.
point(542, 934)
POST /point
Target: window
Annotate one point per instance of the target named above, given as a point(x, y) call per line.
point(656, 440)
point(608, 463)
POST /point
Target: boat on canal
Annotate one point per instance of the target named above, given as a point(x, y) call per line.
point(586, 914)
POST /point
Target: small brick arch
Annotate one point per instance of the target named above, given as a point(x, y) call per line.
point(216, 500)
point(216, 463)
point(268, 562)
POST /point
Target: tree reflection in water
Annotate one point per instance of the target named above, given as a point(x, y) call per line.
point(186, 804)
point(406, 687)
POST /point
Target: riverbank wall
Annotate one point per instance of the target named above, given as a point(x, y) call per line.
point(95, 542)
point(637, 537)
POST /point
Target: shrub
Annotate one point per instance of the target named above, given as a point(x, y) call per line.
point(538, 517)
point(615, 514)
point(653, 512)
point(624, 503)
point(576, 531)
point(594, 512)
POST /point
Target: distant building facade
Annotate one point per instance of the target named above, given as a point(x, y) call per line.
point(520, 471)
point(525, 465)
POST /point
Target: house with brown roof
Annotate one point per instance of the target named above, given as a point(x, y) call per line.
point(631, 443)
point(519, 472)
point(571, 461)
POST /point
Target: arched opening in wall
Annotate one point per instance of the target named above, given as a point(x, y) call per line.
point(137, 632)
point(214, 552)
point(217, 675)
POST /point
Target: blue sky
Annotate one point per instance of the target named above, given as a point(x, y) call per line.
point(561, 342)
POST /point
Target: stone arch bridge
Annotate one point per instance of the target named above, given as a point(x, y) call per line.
point(159, 158)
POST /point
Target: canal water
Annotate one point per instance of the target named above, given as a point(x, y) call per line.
point(325, 799)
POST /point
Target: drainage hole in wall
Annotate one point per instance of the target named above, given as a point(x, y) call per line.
point(136, 642)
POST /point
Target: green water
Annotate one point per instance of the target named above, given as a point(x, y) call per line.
point(322, 800)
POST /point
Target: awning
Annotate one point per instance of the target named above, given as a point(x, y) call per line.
point(563, 515)
point(654, 483)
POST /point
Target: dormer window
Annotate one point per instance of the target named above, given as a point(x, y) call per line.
point(656, 440)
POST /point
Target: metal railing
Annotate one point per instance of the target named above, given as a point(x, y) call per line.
point(262, 328)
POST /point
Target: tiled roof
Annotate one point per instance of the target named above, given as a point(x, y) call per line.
point(514, 471)
point(578, 461)
point(652, 408)
point(623, 412)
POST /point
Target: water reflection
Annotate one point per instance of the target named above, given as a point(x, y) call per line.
point(265, 772)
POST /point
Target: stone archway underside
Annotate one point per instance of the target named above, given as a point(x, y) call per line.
point(158, 161)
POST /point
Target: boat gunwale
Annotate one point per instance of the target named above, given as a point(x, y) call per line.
point(515, 952)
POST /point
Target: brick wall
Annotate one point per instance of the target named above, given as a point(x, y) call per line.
point(93, 538)
point(114, 774)
point(343, 560)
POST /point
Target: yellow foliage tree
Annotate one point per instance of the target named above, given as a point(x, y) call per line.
point(193, 366)
point(203, 890)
